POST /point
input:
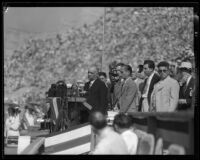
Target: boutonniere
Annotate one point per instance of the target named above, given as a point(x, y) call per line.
point(160, 88)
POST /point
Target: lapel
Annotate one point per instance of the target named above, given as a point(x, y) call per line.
point(160, 87)
point(189, 87)
point(93, 85)
point(152, 81)
point(162, 84)
point(125, 85)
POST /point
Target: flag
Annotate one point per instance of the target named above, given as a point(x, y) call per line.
point(55, 106)
point(76, 140)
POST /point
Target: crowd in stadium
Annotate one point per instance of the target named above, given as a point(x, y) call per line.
point(154, 72)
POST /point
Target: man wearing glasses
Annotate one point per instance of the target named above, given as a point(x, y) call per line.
point(166, 92)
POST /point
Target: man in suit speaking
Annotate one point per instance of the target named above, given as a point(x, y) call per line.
point(97, 94)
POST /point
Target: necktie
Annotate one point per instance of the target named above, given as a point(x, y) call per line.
point(145, 86)
point(184, 87)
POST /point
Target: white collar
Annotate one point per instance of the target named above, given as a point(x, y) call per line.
point(150, 77)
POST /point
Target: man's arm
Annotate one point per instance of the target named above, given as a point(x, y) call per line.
point(174, 95)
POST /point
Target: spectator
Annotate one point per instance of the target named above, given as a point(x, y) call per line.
point(122, 124)
point(109, 142)
point(103, 77)
point(166, 91)
point(117, 86)
point(29, 117)
point(187, 87)
point(150, 81)
point(12, 124)
point(129, 97)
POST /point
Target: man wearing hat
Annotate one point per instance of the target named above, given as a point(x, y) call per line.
point(187, 86)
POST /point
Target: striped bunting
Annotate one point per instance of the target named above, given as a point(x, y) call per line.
point(75, 141)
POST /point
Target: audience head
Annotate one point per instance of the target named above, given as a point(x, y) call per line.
point(178, 61)
point(29, 109)
point(163, 69)
point(148, 67)
point(121, 122)
point(103, 76)
point(11, 111)
point(53, 86)
point(98, 121)
point(119, 69)
point(126, 71)
point(92, 73)
point(186, 67)
point(186, 70)
point(140, 68)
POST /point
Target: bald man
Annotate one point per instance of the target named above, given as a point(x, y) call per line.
point(108, 141)
point(97, 94)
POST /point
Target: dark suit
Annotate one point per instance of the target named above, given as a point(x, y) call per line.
point(154, 80)
point(86, 88)
point(185, 93)
point(97, 96)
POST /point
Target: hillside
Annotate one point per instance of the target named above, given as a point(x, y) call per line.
point(131, 35)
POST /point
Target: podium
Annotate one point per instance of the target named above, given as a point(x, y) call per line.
point(75, 111)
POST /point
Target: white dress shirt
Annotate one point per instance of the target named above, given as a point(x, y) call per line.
point(131, 141)
point(110, 142)
point(12, 126)
point(148, 84)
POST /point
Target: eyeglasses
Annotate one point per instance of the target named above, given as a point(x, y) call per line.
point(164, 70)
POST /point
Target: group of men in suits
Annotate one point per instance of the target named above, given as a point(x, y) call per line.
point(159, 92)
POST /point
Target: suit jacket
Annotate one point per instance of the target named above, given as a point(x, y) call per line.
point(97, 96)
point(186, 94)
point(117, 92)
point(165, 96)
point(129, 99)
point(154, 80)
point(86, 88)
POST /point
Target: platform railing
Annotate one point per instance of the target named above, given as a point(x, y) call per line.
point(173, 128)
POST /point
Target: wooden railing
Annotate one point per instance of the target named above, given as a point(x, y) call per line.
point(176, 128)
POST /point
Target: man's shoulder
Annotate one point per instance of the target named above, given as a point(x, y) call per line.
point(130, 81)
point(129, 134)
point(156, 76)
point(172, 81)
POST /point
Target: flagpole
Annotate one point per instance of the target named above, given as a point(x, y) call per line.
point(103, 48)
